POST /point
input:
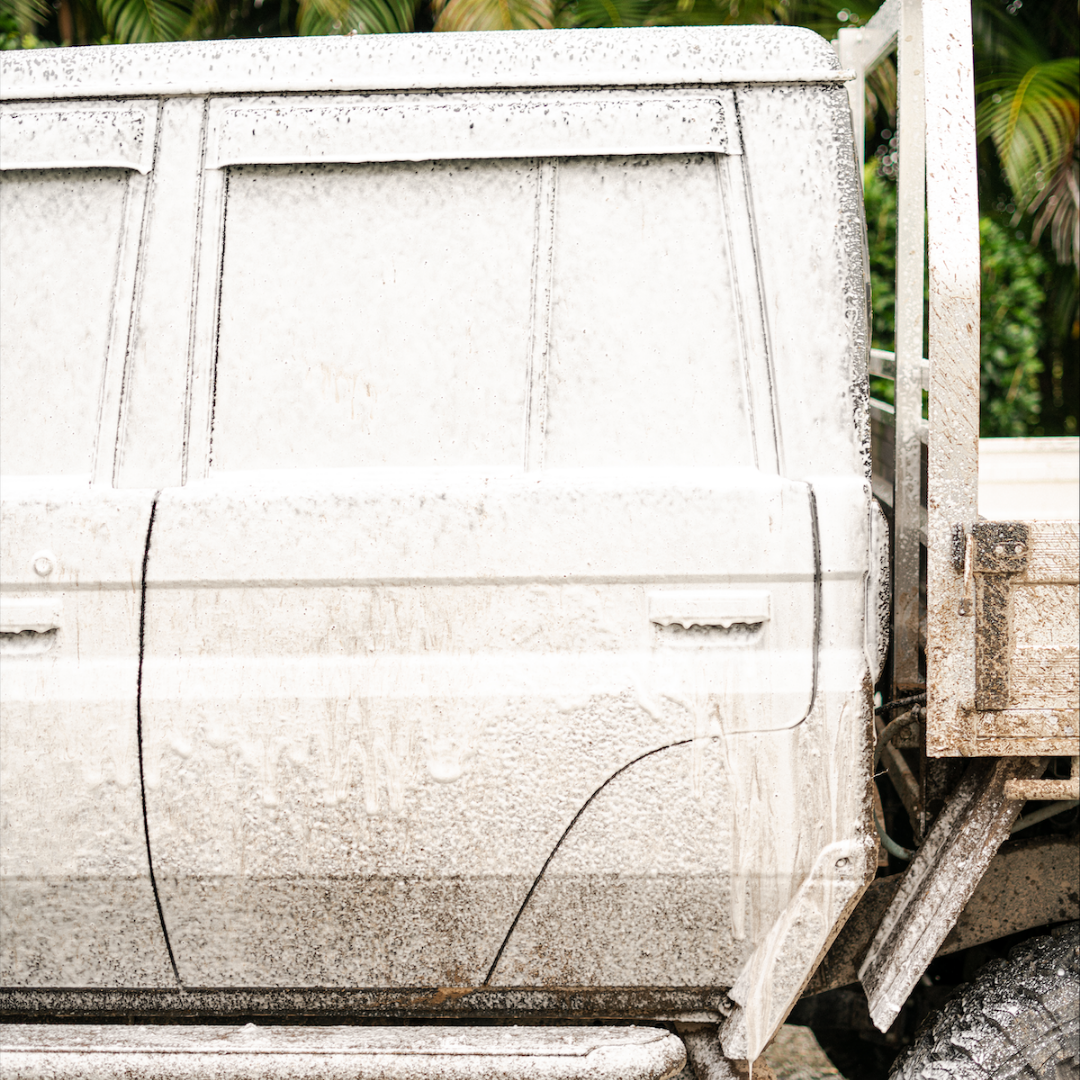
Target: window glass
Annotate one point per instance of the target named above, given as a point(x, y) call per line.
point(59, 242)
point(375, 315)
point(645, 364)
point(379, 315)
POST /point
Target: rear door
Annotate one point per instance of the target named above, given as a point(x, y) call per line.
point(487, 510)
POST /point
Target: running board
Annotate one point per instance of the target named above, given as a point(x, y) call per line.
point(111, 1052)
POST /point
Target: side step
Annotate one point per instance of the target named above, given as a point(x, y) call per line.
point(150, 1052)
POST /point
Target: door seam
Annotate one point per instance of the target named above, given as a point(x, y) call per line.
point(139, 736)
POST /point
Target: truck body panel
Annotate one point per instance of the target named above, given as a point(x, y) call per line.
point(503, 591)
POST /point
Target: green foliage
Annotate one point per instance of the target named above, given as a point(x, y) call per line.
point(145, 20)
point(317, 17)
point(879, 198)
point(1012, 332)
point(18, 20)
point(12, 38)
point(1012, 297)
point(493, 14)
point(1031, 116)
point(22, 16)
point(608, 12)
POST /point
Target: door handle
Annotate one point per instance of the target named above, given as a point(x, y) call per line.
point(712, 607)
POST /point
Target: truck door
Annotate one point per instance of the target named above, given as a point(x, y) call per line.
point(76, 901)
point(489, 511)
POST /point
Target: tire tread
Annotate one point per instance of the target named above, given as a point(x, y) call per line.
point(1018, 1019)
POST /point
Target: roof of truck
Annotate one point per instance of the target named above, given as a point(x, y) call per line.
point(526, 59)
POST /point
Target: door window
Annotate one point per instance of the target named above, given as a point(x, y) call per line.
point(645, 353)
point(58, 268)
point(395, 314)
point(374, 315)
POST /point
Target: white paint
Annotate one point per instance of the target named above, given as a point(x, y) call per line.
point(93, 135)
point(779, 967)
point(60, 252)
point(910, 430)
point(1029, 479)
point(878, 593)
point(952, 208)
point(359, 1053)
point(454, 127)
point(525, 59)
point(75, 895)
point(36, 615)
point(509, 476)
point(725, 609)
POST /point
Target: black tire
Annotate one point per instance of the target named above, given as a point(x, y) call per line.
point(1018, 1018)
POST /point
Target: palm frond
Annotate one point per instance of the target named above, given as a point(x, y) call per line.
point(205, 19)
point(1003, 41)
point(25, 14)
point(139, 21)
point(825, 17)
point(1057, 208)
point(594, 13)
point(881, 91)
point(676, 12)
point(721, 12)
point(319, 17)
point(1032, 118)
point(493, 14)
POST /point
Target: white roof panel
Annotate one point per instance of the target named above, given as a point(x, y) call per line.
point(535, 58)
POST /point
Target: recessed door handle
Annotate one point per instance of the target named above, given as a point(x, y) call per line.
point(723, 608)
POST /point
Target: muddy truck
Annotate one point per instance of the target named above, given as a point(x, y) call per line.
point(463, 613)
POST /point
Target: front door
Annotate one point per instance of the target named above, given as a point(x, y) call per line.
point(76, 899)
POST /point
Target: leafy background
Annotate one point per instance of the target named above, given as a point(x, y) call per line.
point(1027, 77)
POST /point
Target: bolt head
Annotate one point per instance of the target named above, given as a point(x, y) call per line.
point(43, 564)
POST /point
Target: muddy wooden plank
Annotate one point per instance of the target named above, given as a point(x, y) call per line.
point(1054, 554)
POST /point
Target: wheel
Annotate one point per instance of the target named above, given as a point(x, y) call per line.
point(1018, 1018)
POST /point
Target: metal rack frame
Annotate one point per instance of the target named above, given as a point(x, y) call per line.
point(984, 699)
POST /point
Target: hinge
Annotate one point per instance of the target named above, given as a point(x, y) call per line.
point(1001, 547)
point(1000, 551)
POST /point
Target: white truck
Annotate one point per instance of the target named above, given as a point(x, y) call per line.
point(442, 578)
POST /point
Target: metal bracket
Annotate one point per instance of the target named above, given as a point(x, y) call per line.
point(1001, 547)
point(959, 548)
point(940, 881)
point(1046, 790)
point(1000, 551)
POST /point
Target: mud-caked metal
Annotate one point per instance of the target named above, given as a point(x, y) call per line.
point(120, 1052)
point(451, 453)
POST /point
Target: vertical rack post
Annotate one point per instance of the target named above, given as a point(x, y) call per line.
point(860, 48)
point(898, 24)
point(953, 216)
point(910, 429)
